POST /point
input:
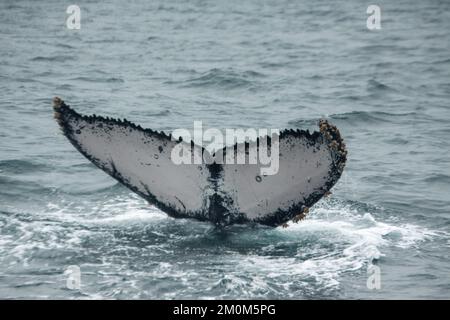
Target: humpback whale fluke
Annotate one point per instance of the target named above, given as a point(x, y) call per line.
point(309, 166)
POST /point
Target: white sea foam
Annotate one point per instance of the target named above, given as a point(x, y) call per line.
point(357, 237)
point(315, 254)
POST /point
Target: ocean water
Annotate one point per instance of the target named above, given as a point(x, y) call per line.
point(230, 64)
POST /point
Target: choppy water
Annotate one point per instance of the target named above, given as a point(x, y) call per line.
point(231, 64)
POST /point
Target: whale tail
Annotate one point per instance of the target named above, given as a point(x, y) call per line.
point(309, 166)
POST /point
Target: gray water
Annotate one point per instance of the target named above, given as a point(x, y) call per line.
point(230, 64)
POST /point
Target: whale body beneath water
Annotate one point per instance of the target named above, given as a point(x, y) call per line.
point(310, 164)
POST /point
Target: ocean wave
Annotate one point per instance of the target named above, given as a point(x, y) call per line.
point(224, 79)
point(358, 118)
point(162, 113)
point(58, 58)
point(64, 45)
point(373, 117)
point(302, 123)
point(438, 178)
point(18, 166)
point(377, 86)
point(99, 80)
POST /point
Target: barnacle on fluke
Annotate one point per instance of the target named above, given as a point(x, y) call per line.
point(310, 164)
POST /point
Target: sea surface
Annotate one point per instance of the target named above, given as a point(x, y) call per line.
point(231, 64)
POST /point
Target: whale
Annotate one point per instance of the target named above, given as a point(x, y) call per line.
point(310, 164)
